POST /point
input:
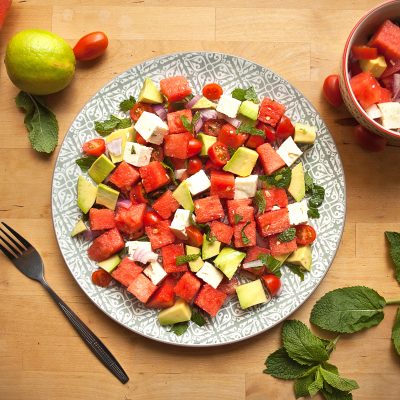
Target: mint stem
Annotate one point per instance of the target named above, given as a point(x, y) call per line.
point(395, 301)
point(332, 345)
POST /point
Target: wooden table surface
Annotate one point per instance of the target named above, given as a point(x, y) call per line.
point(41, 356)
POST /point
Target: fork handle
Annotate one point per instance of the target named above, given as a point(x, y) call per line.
point(92, 341)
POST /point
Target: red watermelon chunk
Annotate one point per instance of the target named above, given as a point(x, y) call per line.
point(106, 245)
point(174, 120)
point(275, 197)
point(233, 205)
point(187, 287)
point(221, 231)
point(270, 159)
point(247, 229)
point(366, 89)
point(126, 271)
point(244, 214)
point(100, 219)
point(166, 205)
point(124, 176)
point(153, 176)
point(175, 88)
point(169, 254)
point(387, 40)
point(277, 247)
point(210, 300)
point(142, 288)
point(208, 209)
point(273, 222)
point(252, 255)
point(271, 111)
point(222, 184)
point(160, 235)
point(130, 220)
point(177, 145)
point(164, 297)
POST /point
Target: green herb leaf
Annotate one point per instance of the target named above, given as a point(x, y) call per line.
point(297, 270)
point(396, 332)
point(260, 202)
point(336, 395)
point(85, 163)
point(301, 386)
point(317, 384)
point(133, 151)
point(245, 239)
point(337, 382)
point(279, 179)
point(313, 212)
point(245, 94)
point(301, 344)
point(317, 197)
point(180, 328)
point(250, 129)
point(127, 104)
point(239, 94)
point(348, 310)
point(281, 366)
point(186, 123)
point(330, 367)
point(270, 262)
point(40, 122)
point(205, 228)
point(198, 319)
point(288, 235)
point(237, 218)
point(180, 260)
point(104, 128)
point(394, 242)
point(170, 171)
point(309, 182)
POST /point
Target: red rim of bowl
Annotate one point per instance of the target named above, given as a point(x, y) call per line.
point(345, 70)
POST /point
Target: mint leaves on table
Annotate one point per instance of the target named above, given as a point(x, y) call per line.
point(245, 94)
point(104, 128)
point(40, 122)
point(394, 242)
point(127, 104)
point(396, 332)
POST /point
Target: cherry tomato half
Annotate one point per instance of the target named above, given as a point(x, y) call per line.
point(230, 137)
point(268, 130)
point(101, 278)
point(305, 234)
point(195, 237)
point(91, 46)
point(194, 147)
point(151, 218)
point(212, 91)
point(138, 195)
point(285, 128)
point(212, 127)
point(94, 147)
point(331, 91)
point(369, 141)
point(364, 52)
point(138, 109)
point(219, 154)
point(272, 283)
point(194, 165)
point(210, 166)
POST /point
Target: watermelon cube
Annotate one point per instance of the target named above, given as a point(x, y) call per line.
point(366, 89)
point(252, 255)
point(270, 159)
point(126, 271)
point(130, 220)
point(208, 209)
point(169, 254)
point(222, 184)
point(100, 219)
point(177, 145)
point(160, 235)
point(245, 230)
point(153, 176)
point(273, 222)
point(243, 214)
point(164, 297)
point(210, 300)
point(275, 198)
point(233, 205)
point(387, 40)
point(142, 288)
point(106, 245)
point(175, 88)
point(278, 248)
point(124, 176)
point(221, 231)
point(187, 287)
point(270, 111)
point(174, 120)
point(166, 205)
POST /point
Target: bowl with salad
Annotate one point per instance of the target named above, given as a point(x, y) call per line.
point(370, 71)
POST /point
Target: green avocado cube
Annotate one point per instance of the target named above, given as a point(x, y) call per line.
point(179, 312)
point(297, 187)
point(196, 264)
point(228, 261)
point(149, 93)
point(304, 133)
point(107, 196)
point(101, 168)
point(251, 293)
point(110, 264)
point(78, 228)
point(203, 102)
point(206, 142)
point(302, 256)
point(242, 162)
point(86, 194)
point(182, 195)
point(209, 249)
point(249, 109)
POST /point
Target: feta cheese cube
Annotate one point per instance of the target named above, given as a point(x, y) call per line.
point(289, 151)
point(155, 272)
point(390, 114)
point(245, 187)
point(179, 173)
point(228, 105)
point(180, 222)
point(151, 127)
point(210, 274)
point(198, 182)
point(298, 212)
point(374, 112)
point(139, 156)
point(132, 246)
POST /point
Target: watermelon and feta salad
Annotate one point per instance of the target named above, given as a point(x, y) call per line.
point(375, 75)
point(193, 194)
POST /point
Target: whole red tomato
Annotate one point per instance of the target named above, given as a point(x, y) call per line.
point(91, 46)
point(331, 90)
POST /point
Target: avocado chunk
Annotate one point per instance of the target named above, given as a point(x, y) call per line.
point(242, 162)
point(249, 109)
point(282, 258)
point(251, 293)
point(86, 194)
point(297, 187)
point(196, 264)
point(110, 264)
point(124, 135)
point(182, 195)
point(179, 312)
point(203, 102)
point(101, 168)
point(209, 249)
point(302, 256)
point(107, 196)
point(149, 93)
point(304, 133)
point(206, 142)
point(376, 66)
point(78, 228)
point(228, 261)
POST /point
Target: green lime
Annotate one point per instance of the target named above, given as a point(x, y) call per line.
point(39, 62)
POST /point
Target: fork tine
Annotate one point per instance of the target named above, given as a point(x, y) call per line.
point(10, 246)
point(7, 253)
point(21, 248)
point(18, 236)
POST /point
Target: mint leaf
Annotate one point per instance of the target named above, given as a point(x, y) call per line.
point(250, 129)
point(394, 242)
point(317, 197)
point(337, 382)
point(170, 171)
point(40, 122)
point(281, 366)
point(309, 182)
point(190, 126)
point(198, 319)
point(245, 94)
point(348, 310)
point(239, 94)
point(336, 395)
point(237, 218)
point(288, 235)
point(104, 128)
point(330, 367)
point(301, 386)
point(396, 332)
point(271, 263)
point(260, 202)
point(245, 239)
point(301, 344)
point(279, 179)
point(180, 328)
point(85, 163)
point(127, 104)
point(297, 270)
point(180, 260)
point(317, 384)
point(313, 212)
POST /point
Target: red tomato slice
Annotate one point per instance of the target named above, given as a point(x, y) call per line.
point(364, 52)
point(138, 195)
point(194, 165)
point(210, 166)
point(151, 218)
point(94, 147)
point(195, 237)
point(138, 109)
point(369, 141)
point(219, 153)
point(212, 127)
point(268, 130)
point(91, 46)
point(331, 90)
point(305, 234)
point(194, 147)
point(230, 138)
point(272, 283)
point(101, 278)
point(212, 91)
point(254, 141)
point(285, 128)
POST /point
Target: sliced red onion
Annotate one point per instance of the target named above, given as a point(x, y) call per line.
point(198, 125)
point(233, 121)
point(253, 264)
point(90, 235)
point(208, 114)
point(124, 203)
point(160, 111)
point(115, 147)
point(193, 101)
point(144, 256)
point(396, 86)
